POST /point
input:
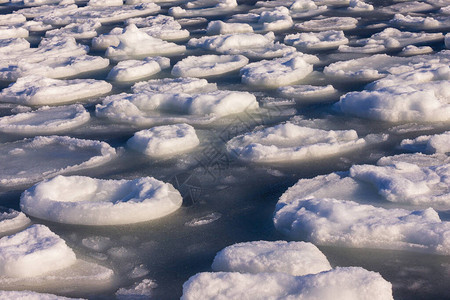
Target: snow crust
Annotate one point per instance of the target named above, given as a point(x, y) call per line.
point(208, 65)
point(294, 258)
point(90, 201)
point(165, 140)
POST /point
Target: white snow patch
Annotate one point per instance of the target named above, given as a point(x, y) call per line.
point(308, 93)
point(28, 295)
point(429, 144)
point(85, 30)
point(220, 27)
point(140, 290)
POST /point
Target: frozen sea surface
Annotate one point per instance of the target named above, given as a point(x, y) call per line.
point(109, 107)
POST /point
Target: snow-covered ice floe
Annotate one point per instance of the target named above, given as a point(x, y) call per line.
point(289, 142)
point(100, 202)
point(38, 258)
point(332, 23)
point(54, 57)
point(208, 65)
point(390, 39)
point(341, 283)
point(216, 8)
point(252, 45)
point(160, 26)
point(102, 14)
point(428, 144)
point(140, 290)
point(147, 108)
point(30, 160)
point(308, 93)
point(85, 30)
point(323, 40)
point(414, 50)
point(38, 90)
point(294, 258)
point(10, 31)
point(305, 8)
point(135, 43)
point(407, 7)
point(418, 94)
point(381, 65)
point(45, 120)
point(219, 27)
point(132, 70)
point(29, 295)
point(323, 210)
point(174, 85)
point(12, 220)
point(278, 72)
point(420, 23)
point(165, 140)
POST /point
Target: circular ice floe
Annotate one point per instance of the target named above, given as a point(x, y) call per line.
point(332, 23)
point(174, 85)
point(324, 40)
point(136, 43)
point(28, 295)
point(414, 50)
point(33, 252)
point(381, 65)
point(278, 72)
point(88, 201)
point(161, 26)
point(130, 70)
point(13, 44)
point(289, 142)
point(148, 108)
point(12, 220)
point(341, 284)
point(327, 221)
point(165, 140)
point(294, 258)
point(425, 102)
point(390, 39)
point(31, 160)
point(85, 30)
point(308, 93)
point(38, 258)
point(38, 90)
point(420, 23)
point(208, 65)
point(220, 27)
point(7, 32)
point(45, 120)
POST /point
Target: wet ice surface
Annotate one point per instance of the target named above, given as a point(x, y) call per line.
point(294, 90)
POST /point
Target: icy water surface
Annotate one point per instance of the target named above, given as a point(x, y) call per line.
point(228, 196)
